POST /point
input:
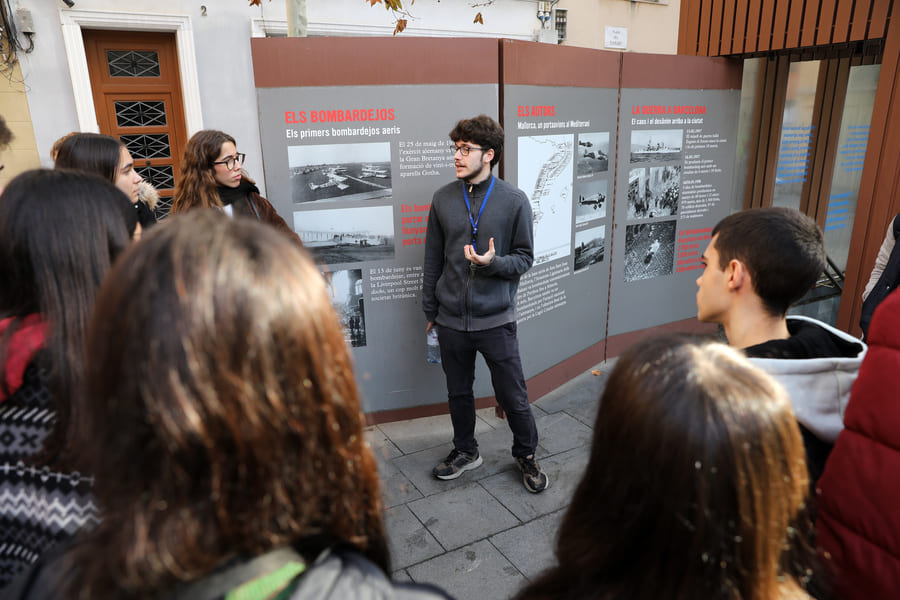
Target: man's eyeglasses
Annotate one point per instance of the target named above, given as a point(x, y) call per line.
point(464, 150)
point(229, 161)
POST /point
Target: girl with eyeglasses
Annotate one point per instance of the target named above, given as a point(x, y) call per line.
point(212, 176)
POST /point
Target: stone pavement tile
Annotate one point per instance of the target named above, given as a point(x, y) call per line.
point(382, 447)
point(395, 487)
point(408, 540)
point(582, 389)
point(560, 431)
point(462, 515)
point(494, 446)
point(529, 547)
point(426, 432)
point(475, 572)
point(564, 470)
point(401, 576)
point(586, 412)
point(418, 465)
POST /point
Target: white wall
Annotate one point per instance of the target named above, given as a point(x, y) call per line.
point(652, 26)
point(221, 41)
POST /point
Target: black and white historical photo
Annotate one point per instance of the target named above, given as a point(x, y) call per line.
point(591, 153)
point(637, 193)
point(590, 246)
point(663, 190)
point(590, 201)
point(340, 171)
point(655, 192)
point(649, 250)
point(657, 145)
point(345, 235)
point(346, 290)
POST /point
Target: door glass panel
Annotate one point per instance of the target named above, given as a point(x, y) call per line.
point(154, 145)
point(132, 63)
point(140, 114)
point(851, 153)
point(161, 177)
point(796, 134)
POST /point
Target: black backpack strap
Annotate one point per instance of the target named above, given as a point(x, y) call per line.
point(897, 226)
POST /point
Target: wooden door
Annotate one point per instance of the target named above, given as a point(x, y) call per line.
point(137, 97)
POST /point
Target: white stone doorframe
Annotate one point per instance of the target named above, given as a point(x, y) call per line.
point(74, 20)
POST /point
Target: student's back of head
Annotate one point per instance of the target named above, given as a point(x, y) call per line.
point(59, 233)
point(782, 248)
point(223, 412)
point(695, 481)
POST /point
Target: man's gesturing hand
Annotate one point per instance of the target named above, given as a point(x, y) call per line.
point(480, 259)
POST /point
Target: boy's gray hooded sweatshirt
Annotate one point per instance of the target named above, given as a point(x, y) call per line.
point(455, 292)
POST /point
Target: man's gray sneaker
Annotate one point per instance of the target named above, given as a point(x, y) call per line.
point(533, 476)
point(456, 464)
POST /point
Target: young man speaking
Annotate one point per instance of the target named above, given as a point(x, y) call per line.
point(478, 243)
point(758, 263)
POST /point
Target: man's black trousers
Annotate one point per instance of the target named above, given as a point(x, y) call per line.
point(500, 349)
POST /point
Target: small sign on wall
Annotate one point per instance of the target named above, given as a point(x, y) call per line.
point(616, 37)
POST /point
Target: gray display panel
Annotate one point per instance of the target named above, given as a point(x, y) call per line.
point(353, 169)
point(560, 150)
point(675, 171)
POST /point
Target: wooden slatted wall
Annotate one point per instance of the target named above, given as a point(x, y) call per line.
point(724, 27)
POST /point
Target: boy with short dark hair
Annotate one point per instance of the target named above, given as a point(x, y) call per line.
point(758, 263)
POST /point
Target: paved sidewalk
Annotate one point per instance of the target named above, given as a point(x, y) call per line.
point(482, 536)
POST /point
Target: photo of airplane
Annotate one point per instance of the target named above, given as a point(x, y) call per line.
point(334, 179)
point(373, 171)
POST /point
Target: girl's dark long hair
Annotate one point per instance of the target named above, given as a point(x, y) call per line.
point(59, 233)
point(695, 486)
point(197, 186)
point(238, 429)
point(92, 152)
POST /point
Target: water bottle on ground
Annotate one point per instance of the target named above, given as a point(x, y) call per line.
point(432, 349)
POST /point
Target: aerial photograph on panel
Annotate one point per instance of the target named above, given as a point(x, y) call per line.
point(354, 171)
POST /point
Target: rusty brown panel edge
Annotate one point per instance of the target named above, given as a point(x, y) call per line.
point(667, 71)
point(779, 94)
point(684, 45)
point(860, 23)
point(810, 23)
point(285, 62)
point(878, 19)
point(715, 28)
point(534, 63)
point(703, 41)
point(827, 13)
point(557, 375)
point(766, 19)
point(824, 98)
point(739, 41)
point(728, 17)
point(843, 19)
point(877, 197)
point(794, 24)
point(754, 13)
point(840, 73)
point(779, 25)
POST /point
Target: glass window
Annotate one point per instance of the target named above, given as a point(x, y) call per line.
point(797, 133)
point(848, 166)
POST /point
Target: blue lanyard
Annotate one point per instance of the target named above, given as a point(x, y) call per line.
point(474, 222)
